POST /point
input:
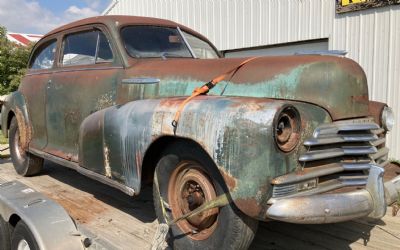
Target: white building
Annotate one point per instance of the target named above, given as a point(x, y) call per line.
point(370, 36)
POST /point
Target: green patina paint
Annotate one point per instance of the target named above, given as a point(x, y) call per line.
point(281, 86)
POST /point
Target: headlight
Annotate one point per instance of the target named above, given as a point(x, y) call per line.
point(287, 125)
point(387, 118)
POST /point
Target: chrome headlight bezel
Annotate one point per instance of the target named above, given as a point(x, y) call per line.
point(287, 126)
point(387, 118)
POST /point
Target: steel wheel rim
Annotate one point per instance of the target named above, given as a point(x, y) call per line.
point(188, 188)
point(23, 245)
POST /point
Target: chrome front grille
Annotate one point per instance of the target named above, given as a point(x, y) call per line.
point(338, 155)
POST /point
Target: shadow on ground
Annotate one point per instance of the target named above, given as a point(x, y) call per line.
point(141, 206)
point(280, 235)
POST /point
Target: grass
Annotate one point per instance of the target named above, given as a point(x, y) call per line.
point(3, 140)
point(392, 160)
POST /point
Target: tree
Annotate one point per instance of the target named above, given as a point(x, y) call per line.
point(13, 61)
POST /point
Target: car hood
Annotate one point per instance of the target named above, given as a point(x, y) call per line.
point(337, 84)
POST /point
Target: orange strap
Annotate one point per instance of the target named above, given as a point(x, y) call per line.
point(205, 88)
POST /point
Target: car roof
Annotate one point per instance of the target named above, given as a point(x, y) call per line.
point(123, 21)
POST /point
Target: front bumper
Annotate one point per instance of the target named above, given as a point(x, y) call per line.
point(329, 208)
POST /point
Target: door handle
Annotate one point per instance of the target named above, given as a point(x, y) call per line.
point(48, 84)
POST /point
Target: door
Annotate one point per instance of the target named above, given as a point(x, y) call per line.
point(85, 83)
point(33, 87)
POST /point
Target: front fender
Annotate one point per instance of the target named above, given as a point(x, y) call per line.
point(237, 133)
point(15, 103)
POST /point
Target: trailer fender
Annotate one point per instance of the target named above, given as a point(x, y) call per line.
point(50, 224)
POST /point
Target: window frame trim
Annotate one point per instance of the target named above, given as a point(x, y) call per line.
point(91, 27)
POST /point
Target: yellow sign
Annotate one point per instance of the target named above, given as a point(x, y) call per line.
point(343, 6)
point(347, 2)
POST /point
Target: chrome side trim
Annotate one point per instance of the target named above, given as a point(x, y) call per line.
point(74, 70)
point(141, 80)
point(86, 172)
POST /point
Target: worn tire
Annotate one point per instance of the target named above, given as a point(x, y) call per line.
point(4, 235)
point(231, 229)
point(23, 235)
point(25, 163)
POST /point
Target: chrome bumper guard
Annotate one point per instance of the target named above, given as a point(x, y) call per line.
point(329, 208)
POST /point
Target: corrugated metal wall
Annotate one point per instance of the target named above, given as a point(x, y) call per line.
point(371, 37)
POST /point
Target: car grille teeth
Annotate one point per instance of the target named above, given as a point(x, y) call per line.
point(338, 155)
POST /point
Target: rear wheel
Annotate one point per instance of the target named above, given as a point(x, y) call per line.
point(187, 178)
point(22, 238)
point(25, 163)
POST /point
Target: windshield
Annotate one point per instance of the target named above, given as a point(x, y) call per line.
point(200, 48)
point(154, 41)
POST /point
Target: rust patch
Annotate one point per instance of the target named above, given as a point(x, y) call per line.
point(139, 160)
point(23, 128)
point(104, 101)
point(229, 179)
point(249, 207)
point(58, 153)
point(375, 110)
point(360, 98)
point(395, 209)
point(107, 167)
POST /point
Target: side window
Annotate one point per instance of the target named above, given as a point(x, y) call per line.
point(85, 48)
point(43, 57)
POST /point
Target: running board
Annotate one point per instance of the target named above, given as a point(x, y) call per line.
point(86, 172)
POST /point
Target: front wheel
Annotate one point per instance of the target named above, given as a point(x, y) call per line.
point(25, 163)
point(187, 178)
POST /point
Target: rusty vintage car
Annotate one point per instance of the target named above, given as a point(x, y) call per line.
point(289, 138)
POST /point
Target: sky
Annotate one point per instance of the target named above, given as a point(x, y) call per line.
point(41, 16)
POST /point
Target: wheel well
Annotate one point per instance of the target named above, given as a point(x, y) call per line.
point(9, 118)
point(14, 220)
point(154, 153)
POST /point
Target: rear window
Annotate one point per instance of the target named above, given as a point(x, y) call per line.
point(43, 57)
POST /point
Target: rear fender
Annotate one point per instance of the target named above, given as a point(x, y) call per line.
point(15, 104)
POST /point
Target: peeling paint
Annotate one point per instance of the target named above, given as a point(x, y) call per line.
point(107, 162)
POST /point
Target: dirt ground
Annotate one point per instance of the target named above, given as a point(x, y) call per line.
point(122, 222)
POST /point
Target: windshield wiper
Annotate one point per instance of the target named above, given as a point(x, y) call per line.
point(164, 55)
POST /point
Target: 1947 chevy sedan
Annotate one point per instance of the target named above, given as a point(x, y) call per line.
point(131, 100)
